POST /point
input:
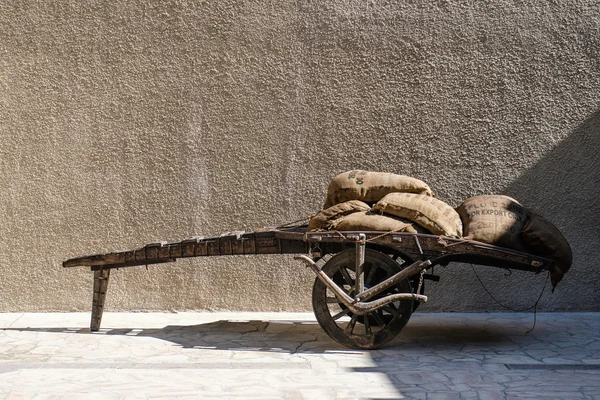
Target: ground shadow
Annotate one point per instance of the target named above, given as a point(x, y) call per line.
point(279, 336)
point(428, 343)
point(306, 336)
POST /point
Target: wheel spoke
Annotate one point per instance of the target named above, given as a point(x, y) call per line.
point(351, 324)
point(390, 309)
point(346, 276)
point(370, 278)
point(378, 319)
point(340, 314)
point(333, 300)
point(367, 325)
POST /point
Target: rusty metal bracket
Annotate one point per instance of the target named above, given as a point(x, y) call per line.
point(418, 244)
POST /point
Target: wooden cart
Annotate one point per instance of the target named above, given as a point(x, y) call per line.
point(368, 283)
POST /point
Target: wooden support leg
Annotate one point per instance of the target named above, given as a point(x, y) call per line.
point(100, 287)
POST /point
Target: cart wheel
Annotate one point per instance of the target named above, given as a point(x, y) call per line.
point(362, 332)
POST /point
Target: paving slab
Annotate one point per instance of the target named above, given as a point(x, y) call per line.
point(287, 356)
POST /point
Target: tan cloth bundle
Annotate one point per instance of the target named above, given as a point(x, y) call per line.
point(371, 187)
point(324, 218)
point(430, 213)
point(493, 219)
point(367, 221)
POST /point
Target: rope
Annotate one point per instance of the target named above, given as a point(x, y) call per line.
point(384, 234)
point(295, 224)
point(441, 239)
point(443, 242)
point(512, 309)
point(371, 239)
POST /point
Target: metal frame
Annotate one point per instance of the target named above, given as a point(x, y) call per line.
point(358, 305)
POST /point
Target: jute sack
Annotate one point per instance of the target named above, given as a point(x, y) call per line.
point(493, 219)
point(367, 221)
point(430, 213)
point(542, 238)
point(322, 219)
point(370, 187)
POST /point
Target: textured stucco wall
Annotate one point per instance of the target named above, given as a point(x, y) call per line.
point(124, 122)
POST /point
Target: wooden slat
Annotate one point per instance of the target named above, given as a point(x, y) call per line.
point(99, 297)
point(212, 247)
point(201, 249)
point(225, 247)
point(250, 245)
point(175, 250)
point(188, 248)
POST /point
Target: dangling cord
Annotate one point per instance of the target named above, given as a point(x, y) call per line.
point(294, 224)
point(512, 309)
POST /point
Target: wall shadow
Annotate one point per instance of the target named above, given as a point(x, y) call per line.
point(564, 187)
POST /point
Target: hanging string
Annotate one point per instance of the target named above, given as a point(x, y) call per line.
point(512, 309)
point(294, 224)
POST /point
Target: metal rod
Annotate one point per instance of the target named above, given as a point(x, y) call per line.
point(363, 308)
point(339, 293)
point(407, 272)
point(418, 244)
point(360, 262)
point(359, 308)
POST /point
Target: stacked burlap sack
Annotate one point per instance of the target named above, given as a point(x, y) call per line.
point(503, 221)
point(376, 201)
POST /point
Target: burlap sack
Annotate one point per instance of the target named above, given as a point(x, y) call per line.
point(367, 221)
point(542, 238)
point(323, 218)
point(430, 213)
point(370, 187)
point(493, 219)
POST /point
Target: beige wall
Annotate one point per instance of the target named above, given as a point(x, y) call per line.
point(124, 122)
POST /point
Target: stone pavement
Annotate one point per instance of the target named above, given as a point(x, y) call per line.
point(287, 356)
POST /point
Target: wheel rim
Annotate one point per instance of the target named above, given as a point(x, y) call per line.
point(374, 329)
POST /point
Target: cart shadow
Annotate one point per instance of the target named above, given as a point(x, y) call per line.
point(455, 336)
point(307, 336)
point(255, 335)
